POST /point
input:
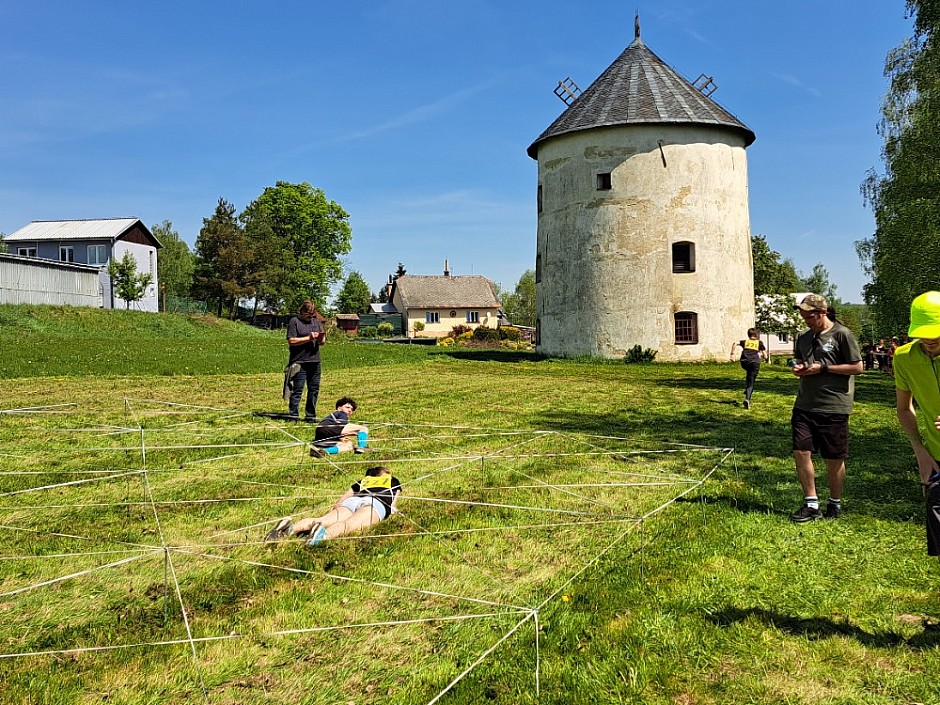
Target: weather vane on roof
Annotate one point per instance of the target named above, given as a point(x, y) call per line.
point(636, 25)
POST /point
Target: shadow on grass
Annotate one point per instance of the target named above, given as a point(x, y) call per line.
point(879, 484)
point(745, 506)
point(870, 388)
point(491, 355)
point(817, 628)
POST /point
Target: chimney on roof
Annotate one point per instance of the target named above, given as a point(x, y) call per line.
point(446, 269)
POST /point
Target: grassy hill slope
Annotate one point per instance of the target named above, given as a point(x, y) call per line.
point(62, 341)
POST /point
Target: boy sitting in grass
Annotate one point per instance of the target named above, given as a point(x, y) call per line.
point(336, 435)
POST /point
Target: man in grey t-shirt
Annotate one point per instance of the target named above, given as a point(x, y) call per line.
point(827, 358)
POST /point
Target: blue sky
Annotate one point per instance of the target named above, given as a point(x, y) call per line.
point(415, 115)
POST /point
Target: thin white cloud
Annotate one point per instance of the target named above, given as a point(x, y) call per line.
point(796, 83)
point(420, 114)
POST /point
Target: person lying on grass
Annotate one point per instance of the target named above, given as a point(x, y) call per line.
point(365, 503)
point(335, 434)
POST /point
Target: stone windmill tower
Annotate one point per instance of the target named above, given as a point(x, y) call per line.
point(643, 232)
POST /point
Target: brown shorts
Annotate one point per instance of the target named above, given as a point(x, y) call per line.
point(826, 434)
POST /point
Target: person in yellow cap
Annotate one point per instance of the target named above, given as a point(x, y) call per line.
point(827, 358)
point(917, 378)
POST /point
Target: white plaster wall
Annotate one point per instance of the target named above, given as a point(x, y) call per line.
point(145, 256)
point(605, 257)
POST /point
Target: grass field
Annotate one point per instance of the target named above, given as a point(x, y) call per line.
point(715, 599)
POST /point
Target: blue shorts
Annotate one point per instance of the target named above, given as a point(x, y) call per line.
point(355, 503)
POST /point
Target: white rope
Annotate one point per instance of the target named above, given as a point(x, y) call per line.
point(481, 658)
point(159, 503)
point(72, 482)
point(360, 581)
point(500, 506)
point(32, 409)
point(586, 484)
point(76, 536)
point(73, 575)
point(258, 635)
point(172, 567)
point(486, 574)
point(81, 554)
point(412, 535)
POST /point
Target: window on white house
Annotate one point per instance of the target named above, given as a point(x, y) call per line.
point(26, 251)
point(783, 337)
point(66, 253)
point(97, 255)
point(683, 257)
point(432, 316)
point(686, 328)
point(473, 316)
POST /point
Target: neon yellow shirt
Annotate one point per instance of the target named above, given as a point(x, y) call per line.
point(916, 372)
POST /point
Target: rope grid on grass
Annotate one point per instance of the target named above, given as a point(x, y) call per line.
point(451, 447)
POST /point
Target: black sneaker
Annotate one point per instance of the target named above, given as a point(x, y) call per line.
point(833, 511)
point(804, 514)
point(280, 530)
point(317, 452)
point(360, 450)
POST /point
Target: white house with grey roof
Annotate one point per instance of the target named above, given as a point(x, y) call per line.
point(643, 228)
point(441, 302)
point(92, 243)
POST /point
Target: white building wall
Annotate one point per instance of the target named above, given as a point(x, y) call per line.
point(146, 257)
point(604, 257)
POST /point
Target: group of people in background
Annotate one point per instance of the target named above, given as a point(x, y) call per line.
point(880, 356)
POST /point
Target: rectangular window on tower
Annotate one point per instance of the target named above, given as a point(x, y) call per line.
point(686, 328)
point(603, 182)
point(683, 257)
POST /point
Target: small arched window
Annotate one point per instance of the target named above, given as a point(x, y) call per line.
point(538, 268)
point(686, 328)
point(683, 257)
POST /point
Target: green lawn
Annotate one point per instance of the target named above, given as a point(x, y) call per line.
point(716, 599)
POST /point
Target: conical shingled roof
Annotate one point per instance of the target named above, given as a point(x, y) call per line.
point(640, 89)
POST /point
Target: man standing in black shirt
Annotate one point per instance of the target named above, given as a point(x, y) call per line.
point(305, 336)
point(827, 359)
